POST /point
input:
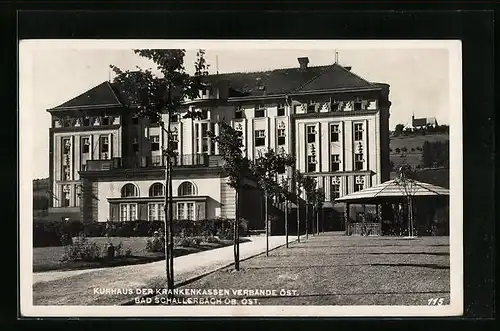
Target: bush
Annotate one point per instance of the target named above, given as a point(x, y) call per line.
point(212, 240)
point(50, 233)
point(156, 244)
point(66, 239)
point(82, 250)
point(128, 252)
point(187, 241)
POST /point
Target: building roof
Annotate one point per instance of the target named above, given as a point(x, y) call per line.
point(391, 189)
point(245, 84)
point(100, 96)
point(290, 80)
point(423, 121)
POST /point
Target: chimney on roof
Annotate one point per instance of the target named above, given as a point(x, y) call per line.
point(303, 61)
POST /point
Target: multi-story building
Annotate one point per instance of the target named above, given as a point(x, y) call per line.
point(106, 163)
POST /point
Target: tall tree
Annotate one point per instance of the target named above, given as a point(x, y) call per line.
point(265, 168)
point(309, 185)
point(156, 97)
point(236, 166)
point(284, 190)
point(405, 180)
point(318, 197)
point(299, 180)
point(398, 130)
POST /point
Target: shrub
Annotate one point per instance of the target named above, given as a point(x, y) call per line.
point(66, 239)
point(118, 249)
point(187, 241)
point(50, 233)
point(128, 252)
point(212, 240)
point(156, 244)
point(82, 250)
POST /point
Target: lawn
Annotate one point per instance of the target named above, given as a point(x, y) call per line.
point(48, 258)
point(332, 269)
point(411, 157)
point(414, 141)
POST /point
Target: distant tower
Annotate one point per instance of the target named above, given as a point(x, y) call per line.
point(412, 119)
point(336, 57)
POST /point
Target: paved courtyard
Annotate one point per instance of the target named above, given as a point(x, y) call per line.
point(333, 269)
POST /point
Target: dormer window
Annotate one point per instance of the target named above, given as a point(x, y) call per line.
point(311, 107)
point(238, 112)
point(86, 121)
point(281, 109)
point(335, 106)
point(260, 110)
point(358, 105)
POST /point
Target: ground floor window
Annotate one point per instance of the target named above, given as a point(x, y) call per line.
point(128, 212)
point(156, 211)
point(185, 211)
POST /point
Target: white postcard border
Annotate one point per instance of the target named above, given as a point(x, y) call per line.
point(27, 309)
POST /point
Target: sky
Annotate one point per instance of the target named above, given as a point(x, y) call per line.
point(418, 77)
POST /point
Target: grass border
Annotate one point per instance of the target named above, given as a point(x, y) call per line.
point(131, 302)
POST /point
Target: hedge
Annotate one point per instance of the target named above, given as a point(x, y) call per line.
point(50, 233)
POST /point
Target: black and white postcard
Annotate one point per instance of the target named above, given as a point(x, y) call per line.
point(241, 178)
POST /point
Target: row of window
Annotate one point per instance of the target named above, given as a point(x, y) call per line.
point(259, 111)
point(85, 145)
point(334, 132)
point(335, 162)
point(157, 190)
point(156, 211)
point(86, 121)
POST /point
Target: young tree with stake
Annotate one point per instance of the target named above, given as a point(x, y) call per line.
point(236, 167)
point(265, 168)
point(309, 185)
point(284, 189)
point(156, 98)
point(299, 180)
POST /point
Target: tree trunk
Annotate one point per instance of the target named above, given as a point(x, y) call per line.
point(298, 219)
point(317, 221)
point(166, 208)
point(286, 222)
point(266, 220)
point(236, 232)
point(170, 226)
point(307, 221)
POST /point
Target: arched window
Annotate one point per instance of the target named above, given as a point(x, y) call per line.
point(157, 190)
point(129, 190)
point(186, 188)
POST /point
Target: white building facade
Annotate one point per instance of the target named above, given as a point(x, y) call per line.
point(106, 164)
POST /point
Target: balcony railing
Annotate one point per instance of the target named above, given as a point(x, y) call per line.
point(188, 160)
